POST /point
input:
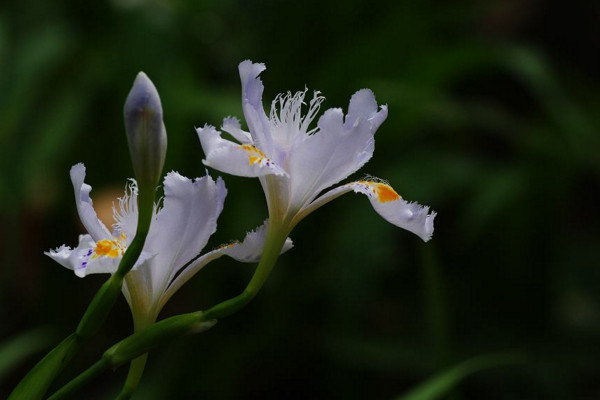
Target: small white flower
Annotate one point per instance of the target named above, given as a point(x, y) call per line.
point(295, 163)
point(178, 232)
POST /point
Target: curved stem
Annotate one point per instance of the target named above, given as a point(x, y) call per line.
point(161, 332)
point(136, 370)
point(34, 387)
point(273, 244)
point(35, 384)
point(80, 380)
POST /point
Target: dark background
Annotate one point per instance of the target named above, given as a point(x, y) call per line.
point(493, 122)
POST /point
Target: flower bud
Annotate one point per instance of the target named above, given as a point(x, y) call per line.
point(146, 133)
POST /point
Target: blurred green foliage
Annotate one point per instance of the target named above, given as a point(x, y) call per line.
point(493, 121)
point(441, 384)
point(16, 349)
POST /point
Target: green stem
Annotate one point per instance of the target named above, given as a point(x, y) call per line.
point(273, 244)
point(137, 345)
point(31, 386)
point(35, 384)
point(103, 302)
point(171, 328)
point(81, 380)
point(136, 370)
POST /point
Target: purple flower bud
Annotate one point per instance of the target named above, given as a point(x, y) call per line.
point(146, 133)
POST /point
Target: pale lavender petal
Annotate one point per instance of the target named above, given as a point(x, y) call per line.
point(249, 251)
point(82, 259)
point(86, 211)
point(337, 149)
point(387, 203)
point(232, 126)
point(254, 113)
point(251, 248)
point(183, 226)
point(232, 158)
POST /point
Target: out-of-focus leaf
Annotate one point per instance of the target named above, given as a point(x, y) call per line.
point(576, 127)
point(497, 193)
point(17, 349)
point(3, 41)
point(22, 83)
point(54, 131)
point(442, 383)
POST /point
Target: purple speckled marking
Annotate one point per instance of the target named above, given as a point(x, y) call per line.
point(89, 253)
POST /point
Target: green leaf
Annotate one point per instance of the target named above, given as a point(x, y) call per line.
point(442, 383)
point(23, 346)
point(35, 384)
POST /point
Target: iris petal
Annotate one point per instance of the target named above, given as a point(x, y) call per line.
point(85, 208)
point(392, 207)
point(249, 251)
point(236, 159)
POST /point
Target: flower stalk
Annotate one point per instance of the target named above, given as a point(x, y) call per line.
point(102, 303)
point(172, 328)
point(273, 246)
point(36, 383)
point(136, 370)
point(137, 365)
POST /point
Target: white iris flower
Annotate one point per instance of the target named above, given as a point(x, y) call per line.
point(295, 162)
point(178, 232)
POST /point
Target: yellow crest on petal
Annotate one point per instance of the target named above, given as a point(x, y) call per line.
point(383, 191)
point(255, 156)
point(110, 248)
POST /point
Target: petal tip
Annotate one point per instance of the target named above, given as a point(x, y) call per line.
point(77, 171)
point(247, 66)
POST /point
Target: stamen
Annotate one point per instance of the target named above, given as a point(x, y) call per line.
point(313, 110)
point(127, 206)
point(286, 113)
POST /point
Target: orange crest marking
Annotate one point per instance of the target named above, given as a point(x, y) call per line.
point(255, 156)
point(110, 248)
point(383, 191)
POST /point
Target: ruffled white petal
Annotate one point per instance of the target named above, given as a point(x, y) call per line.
point(183, 226)
point(82, 259)
point(249, 251)
point(363, 106)
point(410, 216)
point(139, 292)
point(251, 248)
point(254, 113)
point(232, 126)
point(338, 149)
point(187, 274)
point(86, 211)
point(232, 158)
